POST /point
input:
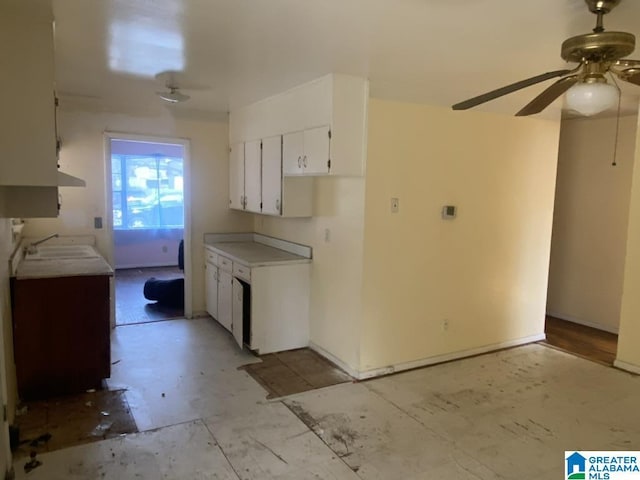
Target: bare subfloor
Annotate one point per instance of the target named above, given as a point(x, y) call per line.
point(295, 371)
point(509, 414)
point(48, 425)
point(131, 306)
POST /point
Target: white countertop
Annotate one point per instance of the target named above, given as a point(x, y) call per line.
point(63, 268)
point(254, 254)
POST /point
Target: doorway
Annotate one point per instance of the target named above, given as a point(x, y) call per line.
point(149, 227)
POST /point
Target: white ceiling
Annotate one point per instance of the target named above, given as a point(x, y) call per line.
point(426, 51)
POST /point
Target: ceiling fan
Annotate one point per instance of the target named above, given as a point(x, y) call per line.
point(173, 95)
point(588, 91)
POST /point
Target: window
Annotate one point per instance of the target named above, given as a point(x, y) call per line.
point(147, 191)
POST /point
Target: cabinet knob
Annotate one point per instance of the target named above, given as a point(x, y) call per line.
point(304, 161)
point(278, 205)
point(299, 162)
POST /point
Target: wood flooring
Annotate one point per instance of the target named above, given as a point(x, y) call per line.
point(131, 306)
point(586, 342)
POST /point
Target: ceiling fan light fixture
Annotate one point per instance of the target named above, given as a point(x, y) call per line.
point(592, 96)
point(173, 96)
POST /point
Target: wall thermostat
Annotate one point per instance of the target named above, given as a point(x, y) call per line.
point(449, 212)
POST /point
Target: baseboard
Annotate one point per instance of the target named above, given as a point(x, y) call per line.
point(331, 357)
point(628, 367)
point(571, 319)
point(447, 357)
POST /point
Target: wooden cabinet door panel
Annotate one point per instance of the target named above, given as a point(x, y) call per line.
point(316, 151)
point(224, 299)
point(272, 175)
point(211, 289)
point(292, 153)
point(236, 176)
point(252, 176)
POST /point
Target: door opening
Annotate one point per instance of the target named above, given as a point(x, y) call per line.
point(149, 227)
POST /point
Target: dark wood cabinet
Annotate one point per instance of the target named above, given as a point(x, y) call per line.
point(61, 334)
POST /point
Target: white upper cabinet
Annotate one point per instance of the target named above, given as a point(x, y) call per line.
point(292, 153)
point(27, 133)
point(316, 158)
point(28, 170)
point(272, 175)
point(236, 176)
point(252, 176)
point(307, 152)
point(304, 116)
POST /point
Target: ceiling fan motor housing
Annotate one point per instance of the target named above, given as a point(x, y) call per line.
point(601, 6)
point(598, 47)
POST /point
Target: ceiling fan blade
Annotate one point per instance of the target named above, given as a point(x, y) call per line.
point(631, 75)
point(543, 100)
point(627, 62)
point(485, 97)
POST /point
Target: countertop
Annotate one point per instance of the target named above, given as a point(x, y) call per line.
point(254, 254)
point(63, 268)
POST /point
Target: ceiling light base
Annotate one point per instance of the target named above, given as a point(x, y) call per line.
point(601, 6)
point(597, 47)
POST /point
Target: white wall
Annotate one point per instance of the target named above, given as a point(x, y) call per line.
point(628, 356)
point(484, 272)
point(141, 248)
point(336, 271)
point(82, 155)
point(591, 214)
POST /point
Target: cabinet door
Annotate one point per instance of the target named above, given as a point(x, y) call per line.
point(238, 312)
point(27, 134)
point(292, 153)
point(316, 151)
point(225, 294)
point(252, 176)
point(236, 176)
point(211, 289)
point(272, 175)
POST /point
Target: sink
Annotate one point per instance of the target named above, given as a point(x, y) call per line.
point(62, 252)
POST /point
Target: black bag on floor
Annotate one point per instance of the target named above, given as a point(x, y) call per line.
point(165, 292)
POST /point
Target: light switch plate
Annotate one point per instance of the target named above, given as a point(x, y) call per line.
point(97, 222)
point(395, 205)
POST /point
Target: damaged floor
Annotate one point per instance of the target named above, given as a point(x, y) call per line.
point(509, 414)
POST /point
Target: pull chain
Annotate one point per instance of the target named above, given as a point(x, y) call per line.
point(615, 145)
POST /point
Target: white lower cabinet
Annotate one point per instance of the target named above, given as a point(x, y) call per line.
point(211, 289)
point(265, 307)
point(238, 313)
point(225, 299)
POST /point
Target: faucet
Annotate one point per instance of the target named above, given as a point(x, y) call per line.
point(32, 246)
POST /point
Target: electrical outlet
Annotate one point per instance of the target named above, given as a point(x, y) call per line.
point(395, 205)
point(445, 325)
point(327, 235)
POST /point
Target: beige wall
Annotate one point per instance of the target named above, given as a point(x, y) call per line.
point(628, 352)
point(336, 278)
point(82, 155)
point(486, 271)
point(590, 221)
